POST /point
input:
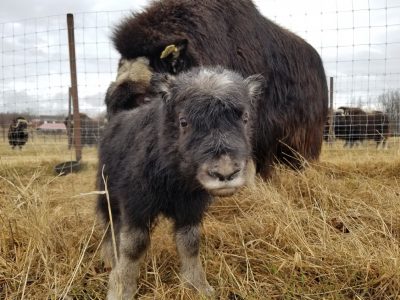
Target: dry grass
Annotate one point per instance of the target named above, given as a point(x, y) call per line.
point(331, 232)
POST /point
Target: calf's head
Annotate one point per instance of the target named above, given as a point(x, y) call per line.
point(208, 117)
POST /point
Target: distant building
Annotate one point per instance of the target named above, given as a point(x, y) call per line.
point(52, 128)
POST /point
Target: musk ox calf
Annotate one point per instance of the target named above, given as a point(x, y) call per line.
point(176, 35)
point(171, 157)
point(18, 132)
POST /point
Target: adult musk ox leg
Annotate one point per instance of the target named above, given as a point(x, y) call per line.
point(192, 273)
point(133, 243)
point(384, 144)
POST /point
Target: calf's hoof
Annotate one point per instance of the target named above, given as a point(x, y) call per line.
point(202, 287)
point(120, 290)
point(208, 291)
point(126, 295)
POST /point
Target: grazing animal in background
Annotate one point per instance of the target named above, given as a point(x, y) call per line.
point(348, 110)
point(131, 87)
point(176, 35)
point(354, 125)
point(90, 130)
point(171, 157)
point(18, 132)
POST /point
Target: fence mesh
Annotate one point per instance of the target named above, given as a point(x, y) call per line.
point(358, 40)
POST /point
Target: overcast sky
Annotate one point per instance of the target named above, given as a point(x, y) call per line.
point(359, 41)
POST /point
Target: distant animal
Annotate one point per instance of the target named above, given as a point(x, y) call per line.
point(175, 35)
point(90, 130)
point(131, 87)
point(354, 125)
point(348, 110)
point(18, 132)
point(171, 157)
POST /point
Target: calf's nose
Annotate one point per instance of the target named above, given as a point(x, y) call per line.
point(225, 169)
point(227, 176)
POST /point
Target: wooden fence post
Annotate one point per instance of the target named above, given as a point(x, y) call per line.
point(74, 87)
point(331, 133)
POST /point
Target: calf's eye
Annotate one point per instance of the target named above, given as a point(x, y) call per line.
point(183, 122)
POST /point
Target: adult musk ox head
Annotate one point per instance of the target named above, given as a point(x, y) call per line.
point(131, 87)
point(208, 113)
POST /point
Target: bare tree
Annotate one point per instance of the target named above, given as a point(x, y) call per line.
point(390, 104)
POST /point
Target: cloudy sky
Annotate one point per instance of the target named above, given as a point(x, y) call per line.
point(359, 41)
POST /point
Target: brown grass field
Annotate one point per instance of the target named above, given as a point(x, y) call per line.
point(330, 232)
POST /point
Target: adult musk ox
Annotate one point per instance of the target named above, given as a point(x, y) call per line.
point(354, 125)
point(175, 35)
point(18, 132)
point(90, 130)
point(170, 157)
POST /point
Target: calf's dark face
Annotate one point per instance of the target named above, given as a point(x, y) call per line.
point(215, 143)
point(212, 132)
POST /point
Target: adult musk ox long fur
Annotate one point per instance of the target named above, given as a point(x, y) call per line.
point(170, 157)
point(18, 132)
point(175, 35)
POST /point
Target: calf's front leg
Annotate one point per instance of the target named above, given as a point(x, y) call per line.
point(192, 273)
point(133, 243)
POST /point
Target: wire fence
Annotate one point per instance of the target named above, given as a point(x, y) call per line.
point(359, 42)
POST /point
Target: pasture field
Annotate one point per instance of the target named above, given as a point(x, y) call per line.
point(330, 232)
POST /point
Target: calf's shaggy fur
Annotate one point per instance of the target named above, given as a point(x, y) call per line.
point(171, 157)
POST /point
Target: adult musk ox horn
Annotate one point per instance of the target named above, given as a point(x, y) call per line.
point(20, 121)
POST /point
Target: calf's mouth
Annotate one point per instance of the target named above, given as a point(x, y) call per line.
point(223, 176)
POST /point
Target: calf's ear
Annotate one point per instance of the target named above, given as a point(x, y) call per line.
point(255, 85)
point(161, 85)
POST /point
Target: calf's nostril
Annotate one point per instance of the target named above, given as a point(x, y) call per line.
point(222, 177)
point(234, 174)
point(216, 175)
